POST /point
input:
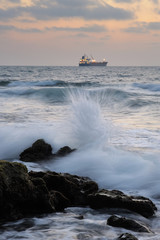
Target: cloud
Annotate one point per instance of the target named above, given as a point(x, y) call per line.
point(8, 13)
point(140, 28)
point(144, 27)
point(82, 35)
point(92, 28)
point(15, 1)
point(4, 28)
point(86, 29)
point(153, 26)
point(86, 9)
point(155, 1)
point(124, 1)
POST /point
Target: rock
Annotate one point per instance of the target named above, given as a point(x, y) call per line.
point(24, 194)
point(117, 199)
point(127, 236)
point(19, 196)
point(80, 217)
point(74, 188)
point(64, 151)
point(59, 200)
point(84, 186)
point(39, 151)
point(126, 223)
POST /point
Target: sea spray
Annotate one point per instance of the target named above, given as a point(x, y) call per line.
point(86, 123)
point(95, 157)
point(124, 157)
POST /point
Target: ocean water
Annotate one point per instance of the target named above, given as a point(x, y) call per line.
point(111, 115)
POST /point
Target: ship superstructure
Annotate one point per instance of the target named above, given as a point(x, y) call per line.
point(86, 61)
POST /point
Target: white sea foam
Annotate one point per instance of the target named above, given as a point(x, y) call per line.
point(97, 158)
point(15, 138)
point(113, 122)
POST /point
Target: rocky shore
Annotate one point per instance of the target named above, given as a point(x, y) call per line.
point(25, 194)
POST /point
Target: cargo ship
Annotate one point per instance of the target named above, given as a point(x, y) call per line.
point(86, 61)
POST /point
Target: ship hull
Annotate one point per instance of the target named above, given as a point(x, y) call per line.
point(93, 64)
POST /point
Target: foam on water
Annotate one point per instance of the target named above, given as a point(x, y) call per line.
point(153, 87)
point(96, 156)
point(94, 138)
point(113, 122)
point(110, 166)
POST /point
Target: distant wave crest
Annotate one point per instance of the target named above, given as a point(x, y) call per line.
point(154, 87)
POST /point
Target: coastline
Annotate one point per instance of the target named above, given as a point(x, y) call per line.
point(27, 194)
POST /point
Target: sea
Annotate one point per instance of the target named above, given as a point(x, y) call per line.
point(111, 115)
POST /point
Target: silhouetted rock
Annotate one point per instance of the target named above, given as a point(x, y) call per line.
point(117, 199)
point(59, 200)
point(126, 223)
point(24, 194)
point(19, 196)
point(127, 236)
point(74, 188)
point(64, 151)
point(40, 150)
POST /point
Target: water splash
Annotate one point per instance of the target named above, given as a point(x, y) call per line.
point(110, 166)
point(86, 123)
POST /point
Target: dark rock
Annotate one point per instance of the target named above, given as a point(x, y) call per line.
point(33, 174)
point(84, 186)
point(64, 151)
point(127, 236)
point(80, 217)
point(19, 196)
point(39, 151)
point(74, 188)
point(117, 199)
point(59, 200)
point(126, 223)
point(24, 194)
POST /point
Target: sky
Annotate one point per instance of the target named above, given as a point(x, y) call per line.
point(59, 32)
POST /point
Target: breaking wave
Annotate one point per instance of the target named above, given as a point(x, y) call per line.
point(153, 87)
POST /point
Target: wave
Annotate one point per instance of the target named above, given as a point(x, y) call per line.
point(57, 91)
point(45, 83)
point(154, 87)
point(5, 75)
point(4, 83)
point(48, 83)
point(114, 97)
point(97, 158)
point(50, 95)
point(90, 133)
point(124, 75)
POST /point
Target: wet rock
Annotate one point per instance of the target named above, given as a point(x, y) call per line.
point(74, 188)
point(59, 200)
point(19, 196)
point(80, 217)
point(126, 223)
point(64, 151)
point(117, 199)
point(24, 194)
point(127, 236)
point(84, 186)
point(39, 151)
